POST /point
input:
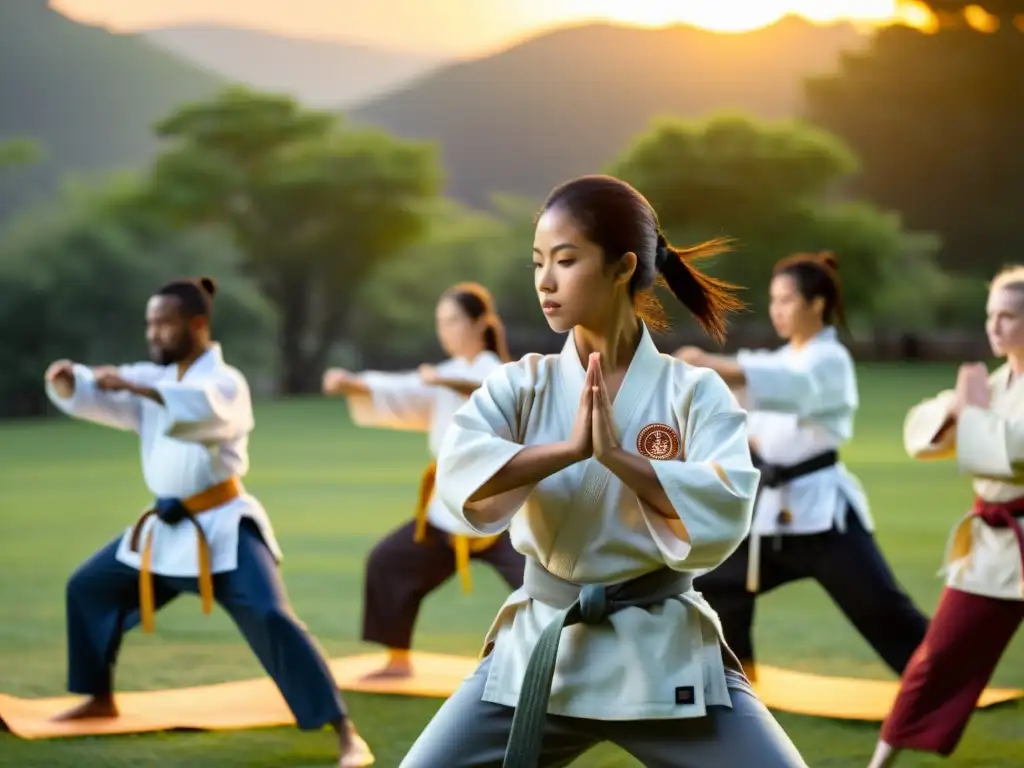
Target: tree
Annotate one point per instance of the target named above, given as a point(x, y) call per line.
point(460, 244)
point(934, 119)
point(770, 187)
point(19, 151)
point(74, 279)
point(313, 206)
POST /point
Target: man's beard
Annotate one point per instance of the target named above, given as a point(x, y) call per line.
point(171, 355)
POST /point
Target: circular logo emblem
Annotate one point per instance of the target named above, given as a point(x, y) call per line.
point(657, 441)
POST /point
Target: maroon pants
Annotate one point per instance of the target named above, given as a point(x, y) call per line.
point(940, 687)
point(401, 572)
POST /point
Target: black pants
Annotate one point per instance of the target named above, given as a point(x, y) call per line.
point(103, 604)
point(849, 566)
point(401, 572)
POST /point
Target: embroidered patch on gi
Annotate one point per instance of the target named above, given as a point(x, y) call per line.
point(657, 441)
point(684, 695)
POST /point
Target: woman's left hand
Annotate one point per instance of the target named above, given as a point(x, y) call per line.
point(428, 374)
point(605, 435)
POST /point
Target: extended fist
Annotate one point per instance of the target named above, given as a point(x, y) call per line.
point(335, 381)
point(61, 376)
point(428, 374)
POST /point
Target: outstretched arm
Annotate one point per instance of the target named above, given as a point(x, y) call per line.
point(378, 399)
point(72, 387)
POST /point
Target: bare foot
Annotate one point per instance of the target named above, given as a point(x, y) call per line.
point(390, 672)
point(94, 707)
point(355, 752)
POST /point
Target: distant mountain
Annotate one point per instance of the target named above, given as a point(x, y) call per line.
point(567, 102)
point(320, 73)
point(89, 96)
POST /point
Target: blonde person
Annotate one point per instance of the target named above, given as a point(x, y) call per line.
point(979, 424)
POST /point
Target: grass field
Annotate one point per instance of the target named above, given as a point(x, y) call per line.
point(66, 488)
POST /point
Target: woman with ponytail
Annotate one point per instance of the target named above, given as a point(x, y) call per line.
point(421, 555)
point(802, 399)
point(622, 472)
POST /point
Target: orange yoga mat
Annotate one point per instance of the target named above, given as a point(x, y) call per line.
point(257, 703)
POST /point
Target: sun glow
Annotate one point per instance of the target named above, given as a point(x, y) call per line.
point(743, 15)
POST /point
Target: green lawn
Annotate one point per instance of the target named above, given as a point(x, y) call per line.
point(66, 488)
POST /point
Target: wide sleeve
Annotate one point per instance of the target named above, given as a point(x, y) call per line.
point(214, 409)
point(711, 486)
point(987, 444)
point(924, 422)
point(119, 410)
point(820, 381)
point(482, 438)
point(394, 401)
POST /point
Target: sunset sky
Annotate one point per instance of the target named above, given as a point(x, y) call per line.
point(460, 27)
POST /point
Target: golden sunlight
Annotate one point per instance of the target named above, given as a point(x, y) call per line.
point(742, 15)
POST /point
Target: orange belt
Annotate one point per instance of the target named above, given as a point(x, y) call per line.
point(213, 497)
point(462, 545)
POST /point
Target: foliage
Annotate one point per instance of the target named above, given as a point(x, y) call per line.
point(75, 276)
point(934, 119)
point(771, 187)
point(314, 207)
point(19, 151)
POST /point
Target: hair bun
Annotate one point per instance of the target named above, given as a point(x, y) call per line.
point(829, 260)
point(209, 285)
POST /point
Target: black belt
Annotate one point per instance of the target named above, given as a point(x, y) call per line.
point(776, 476)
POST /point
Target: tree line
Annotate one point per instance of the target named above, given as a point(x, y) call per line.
point(332, 241)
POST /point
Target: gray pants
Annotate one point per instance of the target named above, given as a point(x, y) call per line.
point(467, 732)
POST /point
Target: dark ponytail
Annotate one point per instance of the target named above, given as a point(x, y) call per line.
point(817, 274)
point(494, 338)
point(477, 302)
point(709, 299)
point(615, 216)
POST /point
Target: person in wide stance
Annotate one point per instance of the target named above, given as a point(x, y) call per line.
point(811, 519)
point(980, 424)
point(203, 534)
point(621, 472)
point(422, 554)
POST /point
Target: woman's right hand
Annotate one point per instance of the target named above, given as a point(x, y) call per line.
point(335, 381)
point(581, 440)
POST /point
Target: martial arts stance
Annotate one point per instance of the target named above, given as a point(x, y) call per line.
point(811, 519)
point(204, 533)
point(980, 423)
point(635, 472)
point(418, 557)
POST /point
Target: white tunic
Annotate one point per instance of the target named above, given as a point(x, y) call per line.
point(988, 444)
point(402, 401)
point(802, 402)
point(583, 525)
point(199, 437)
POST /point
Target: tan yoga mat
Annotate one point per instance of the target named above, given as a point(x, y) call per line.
point(257, 703)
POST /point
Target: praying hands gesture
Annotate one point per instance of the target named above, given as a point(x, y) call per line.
point(594, 432)
point(972, 386)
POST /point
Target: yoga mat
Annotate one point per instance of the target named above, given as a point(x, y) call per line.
point(257, 703)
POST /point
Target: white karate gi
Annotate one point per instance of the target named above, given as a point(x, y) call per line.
point(583, 525)
point(199, 437)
